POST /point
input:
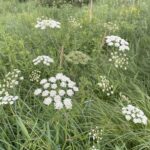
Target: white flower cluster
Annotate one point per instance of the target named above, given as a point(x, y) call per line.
point(6, 98)
point(46, 60)
point(96, 134)
point(117, 42)
point(35, 75)
point(135, 114)
point(47, 23)
point(12, 79)
point(74, 22)
point(58, 89)
point(119, 60)
point(105, 86)
point(118, 55)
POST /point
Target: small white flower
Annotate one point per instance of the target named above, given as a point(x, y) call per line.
point(128, 117)
point(58, 105)
point(65, 79)
point(59, 76)
point(63, 84)
point(110, 44)
point(15, 98)
point(71, 84)
point(46, 85)
point(68, 103)
point(47, 101)
point(76, 89)
point(57, 98)
point(37, 91)
point(70, 92)
point(11, 79)
point(43, 81)
point(53, 86)
point(52, 93)
point(11, 102)
point(52, 79)
point(117, 44)
point(46, 60)
point(21, 78)
point(144, 120)
point(130, 107)
point(105, 86)
point(45, 93)
point(61, 92)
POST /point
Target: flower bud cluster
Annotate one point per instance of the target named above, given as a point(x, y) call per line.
point(106, 86)
point(96, 134)
point(35, 75)
point(120, 60)
point(10, 81)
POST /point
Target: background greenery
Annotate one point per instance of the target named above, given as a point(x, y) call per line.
point(30, 125)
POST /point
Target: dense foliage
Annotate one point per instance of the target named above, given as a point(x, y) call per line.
point(110, 109)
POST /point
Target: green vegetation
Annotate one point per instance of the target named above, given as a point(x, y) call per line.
point(29, 124)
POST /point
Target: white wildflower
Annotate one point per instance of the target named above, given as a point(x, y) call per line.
point(58, 89)
point(120, 60)
point(135, 114)
point(52, 79)
point(45, 93)
point(58, 105)
point(46, 60)
point(74, 22)
point(105, 86)
point(118, 54)
point(47, 23)
point(43, 81)
point(70, 92)
point(46, 85)
point(52, 93)
point(121, 43)
point(96, 134)
point(37, 91)
point(6, 98)
point(12, 79)
point(35, 75)
point(47, 101)
point(57, 98)
point(63, 84)
point(61, 92)
point(53, 86)
point(68, 103)
point(59, 76)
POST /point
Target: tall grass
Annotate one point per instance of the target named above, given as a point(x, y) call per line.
point(30, 125)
